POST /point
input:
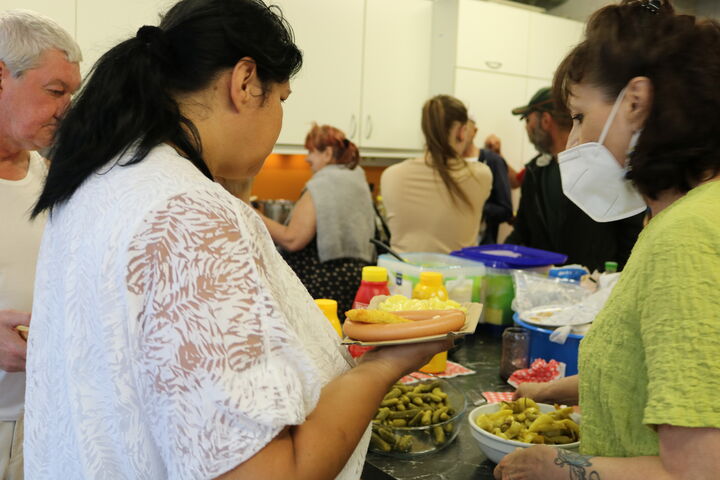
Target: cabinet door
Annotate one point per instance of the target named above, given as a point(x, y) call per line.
point(102, 24)
point(396, 73)
point(327, 89)
point(550, 40)
point(490, 97)
point(492, 37)
point(62, 11)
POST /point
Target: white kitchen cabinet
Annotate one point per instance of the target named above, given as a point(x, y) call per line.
point(396, 73)
point(327, 89)
point(550, 39)
point(62, 11)
point(492, 37)
point(102, 24)
point(489, 98)
point(365, 70)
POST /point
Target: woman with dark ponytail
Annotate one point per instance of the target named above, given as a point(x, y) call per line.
point(435, 203)
point(169, 339)
point(327, 239)
point(642, 89)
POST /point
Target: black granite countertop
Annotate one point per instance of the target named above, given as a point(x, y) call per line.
point(462, 460)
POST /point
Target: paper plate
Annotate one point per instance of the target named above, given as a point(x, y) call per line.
point(546, 316)
point(471, 320)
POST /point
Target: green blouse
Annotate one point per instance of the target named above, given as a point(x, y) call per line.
point(652, 355)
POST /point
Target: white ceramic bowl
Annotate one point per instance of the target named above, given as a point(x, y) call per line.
point(494, 447)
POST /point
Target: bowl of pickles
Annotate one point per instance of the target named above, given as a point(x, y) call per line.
point(417, 419)
point(500, 428)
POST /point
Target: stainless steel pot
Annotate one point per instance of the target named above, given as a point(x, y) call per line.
point(278, 210)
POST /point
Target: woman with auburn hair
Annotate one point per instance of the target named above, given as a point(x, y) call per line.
point(642, 89)
point(327, 238)
point(434, 203)
point(169, 339)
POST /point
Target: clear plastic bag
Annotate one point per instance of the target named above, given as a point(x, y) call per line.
point(533, 290)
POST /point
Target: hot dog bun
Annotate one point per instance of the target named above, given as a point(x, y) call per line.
point(425, 323)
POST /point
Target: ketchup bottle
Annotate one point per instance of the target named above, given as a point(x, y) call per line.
point(374, 282)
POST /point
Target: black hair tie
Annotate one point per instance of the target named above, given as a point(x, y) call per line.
point(149, 34)
point(155, 40)
point(346, 142)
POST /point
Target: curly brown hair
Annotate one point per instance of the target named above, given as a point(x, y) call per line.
point(680, 143)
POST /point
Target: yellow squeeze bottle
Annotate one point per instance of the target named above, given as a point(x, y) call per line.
point(431, 286)
point(329, 308)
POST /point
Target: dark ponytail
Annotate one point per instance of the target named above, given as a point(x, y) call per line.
point(129, 99)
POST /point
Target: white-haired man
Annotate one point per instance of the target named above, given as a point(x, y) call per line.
point(38, 74)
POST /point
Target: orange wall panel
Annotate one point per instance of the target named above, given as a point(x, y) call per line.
point(285, 176)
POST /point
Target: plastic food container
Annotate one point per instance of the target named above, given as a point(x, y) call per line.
point(542, 347)
point(462, 277)
point(423, 440)
point(500, 260)
point(494, 447)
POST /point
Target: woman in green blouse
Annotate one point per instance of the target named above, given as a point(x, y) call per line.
point(643, 93)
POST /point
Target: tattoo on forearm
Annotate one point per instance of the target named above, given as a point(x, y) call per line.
point(577, 464)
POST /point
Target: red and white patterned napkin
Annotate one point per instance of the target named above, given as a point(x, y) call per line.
point(539, 371)
point(452, 370)
point(497, 397)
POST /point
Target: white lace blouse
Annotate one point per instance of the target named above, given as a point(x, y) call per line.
point(168, 338)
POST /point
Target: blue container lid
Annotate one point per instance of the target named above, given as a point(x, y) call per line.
point(510, 256)
point(544, 331)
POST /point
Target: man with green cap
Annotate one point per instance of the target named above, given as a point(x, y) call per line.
point(546, 218)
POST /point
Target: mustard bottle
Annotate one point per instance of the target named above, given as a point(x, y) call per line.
point(431, 286)
point(329, 308)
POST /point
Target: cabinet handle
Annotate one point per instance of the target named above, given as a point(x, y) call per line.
point(353, 126)
point(369, 127)
point(493, 65)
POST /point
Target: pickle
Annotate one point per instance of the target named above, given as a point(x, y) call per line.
point(379, 443)
point(438, 435)
point(404, 414)
point(436, 414)
point(432, 398)
point(389, 402)
point(387, 435)
point(394, 393)
point(399, 422)
point(426, 418)
point(416, 419)
point(404, 444)
point(422, 388)
point(437, 391)
point(382, 413)
point(449, 427)
point(417, 401)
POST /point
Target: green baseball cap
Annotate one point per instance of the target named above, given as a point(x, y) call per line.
point(540, 102)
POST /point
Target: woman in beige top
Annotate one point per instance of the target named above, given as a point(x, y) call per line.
point(434, 203)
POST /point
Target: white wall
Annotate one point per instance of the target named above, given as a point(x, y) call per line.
point(708, 8)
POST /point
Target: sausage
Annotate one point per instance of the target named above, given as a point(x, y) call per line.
point(425, 323)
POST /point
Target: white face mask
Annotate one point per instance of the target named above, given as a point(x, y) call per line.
point(595, 182)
